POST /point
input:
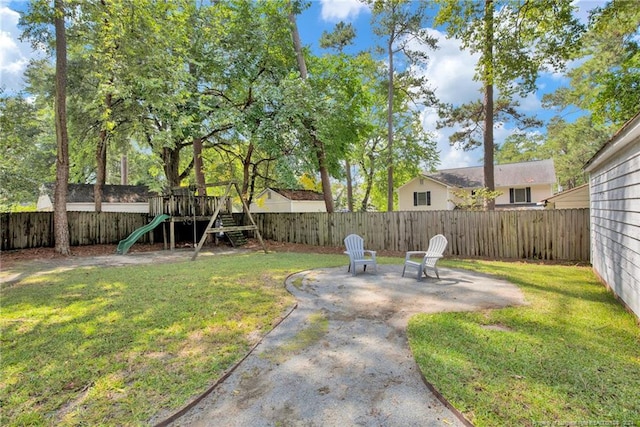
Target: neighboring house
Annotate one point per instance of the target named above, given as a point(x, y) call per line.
point(115, 198)
point(278, 200)
point(574, 198)
point(614, 178)
point(521, 184)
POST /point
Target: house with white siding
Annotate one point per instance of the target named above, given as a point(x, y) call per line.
point(614, 189)
point(522, 185)
point(286, 200)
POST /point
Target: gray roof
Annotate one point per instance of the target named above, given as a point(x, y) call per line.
point(299, 194)
point(507, 175)
point(83, 193)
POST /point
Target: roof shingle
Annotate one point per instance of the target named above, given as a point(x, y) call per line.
point(299, 194)
point(506, 175)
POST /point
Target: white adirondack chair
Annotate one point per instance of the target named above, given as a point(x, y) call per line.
point(430, 257)
point(358, 255)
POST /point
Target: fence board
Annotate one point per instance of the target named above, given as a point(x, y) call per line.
point(35, 229)
point(549, 235)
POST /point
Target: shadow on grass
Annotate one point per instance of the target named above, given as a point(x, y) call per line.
point(572, 354)
point(123, 342)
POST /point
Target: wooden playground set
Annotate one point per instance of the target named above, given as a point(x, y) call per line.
point(183, 206)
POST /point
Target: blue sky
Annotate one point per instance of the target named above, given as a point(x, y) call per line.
point(450, 70)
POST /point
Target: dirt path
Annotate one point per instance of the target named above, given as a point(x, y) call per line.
point(16, 265)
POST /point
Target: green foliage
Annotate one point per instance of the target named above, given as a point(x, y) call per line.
point(607, 81)
point(342, 36)
point(571, 145)
point(550, 25)
point(28, 149)
point(475, 200)
point(471, 118)
point(521, 147)
point(150, 78)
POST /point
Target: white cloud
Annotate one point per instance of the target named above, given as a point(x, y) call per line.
point(530, 104)
point(450, 157)
point(450, 73)
point(340, 10)
point(14, 54)
point(451, 70)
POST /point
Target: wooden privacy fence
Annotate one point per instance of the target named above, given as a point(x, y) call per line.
point(561, 235)
point(35, 229)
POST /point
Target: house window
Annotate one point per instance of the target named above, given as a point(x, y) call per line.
point(520, 195)
point(422, 198)
point(268, 194)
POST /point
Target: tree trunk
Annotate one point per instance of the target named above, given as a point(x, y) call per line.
point(124, 170)
point(60, 221)
point(101, 159)
point(324, 174)
point(171, 160)
point(318, 145)
point(199, 167)
point(101, 172)
point(347, 166)
point(297, 45)
point(252, 183)
point(246, 171)
point(390, 130)
point(489, 181)
point(368, 182)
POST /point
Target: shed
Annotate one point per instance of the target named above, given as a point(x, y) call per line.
point(281, 200)
point(574, 198)
point(115, 198)
point(614, 188)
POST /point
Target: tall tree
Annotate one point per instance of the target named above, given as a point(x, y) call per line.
point(401, 25)
point(28, 150)
point(414, 148)
point(317, 143)
point(607, 81)
point(571, 145)
point(516, 39)
point(341, 37)
point(240, 73)
point(60, 221)
point(521, 147)
point(105, 48)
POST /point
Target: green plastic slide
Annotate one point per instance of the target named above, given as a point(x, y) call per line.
point(125, 244)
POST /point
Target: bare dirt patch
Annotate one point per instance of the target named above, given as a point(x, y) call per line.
point(9, 258)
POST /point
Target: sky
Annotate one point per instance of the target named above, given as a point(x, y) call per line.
point(450, 70)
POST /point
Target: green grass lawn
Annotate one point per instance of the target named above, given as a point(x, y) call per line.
point(125, 345)
point(118, 345)
point(571, 357)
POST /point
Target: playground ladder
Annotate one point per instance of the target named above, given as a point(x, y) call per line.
point(235, 237)
point(212, 228)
